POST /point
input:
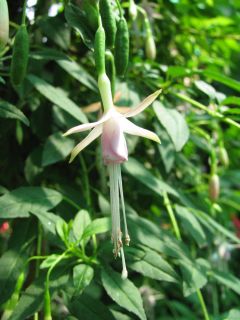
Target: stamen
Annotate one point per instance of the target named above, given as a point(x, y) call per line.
point(127, 238)
point(124, 268)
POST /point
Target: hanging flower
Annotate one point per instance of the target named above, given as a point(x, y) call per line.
point(112, 126)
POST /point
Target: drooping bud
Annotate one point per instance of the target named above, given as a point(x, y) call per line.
point(214, 187)
point(223, 155)
point(132, 10)
point(150, 46)
point(4, 23)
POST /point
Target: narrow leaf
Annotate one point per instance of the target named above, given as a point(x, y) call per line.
point(123, 292)
point(58, 97)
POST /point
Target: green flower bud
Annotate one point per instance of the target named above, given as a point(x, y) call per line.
point(150, 48)
point(4, 24)
point(223, 155)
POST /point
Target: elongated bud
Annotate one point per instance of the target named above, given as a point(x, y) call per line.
point(108, 21)
point(4, 23)
point(132, 10)
point(150, 46)
point(47, 306)
point(99, 50)
point(214, 187)
point(110, 69)
point(104, 86)
point(20, 56)
point(223, 155)
point(121, 53)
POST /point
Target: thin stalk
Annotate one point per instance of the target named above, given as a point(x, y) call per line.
point(215, 114)
point(178, 236)
point(39, 249)
point(203, 305)
point(24, 12)
point(172, 216)
point(119, 8)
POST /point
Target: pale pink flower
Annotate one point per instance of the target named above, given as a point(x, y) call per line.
point(112, 126)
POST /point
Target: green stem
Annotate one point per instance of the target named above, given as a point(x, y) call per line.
point(206, 109)
point(39, 249)
point(24, 12)
point(171, 215)
point(203, 305)
point(71, 202)
point(119, 8)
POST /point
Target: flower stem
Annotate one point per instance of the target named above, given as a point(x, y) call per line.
point(178, 236)
point(203, 305)
point(210, 112)
point(171, 215)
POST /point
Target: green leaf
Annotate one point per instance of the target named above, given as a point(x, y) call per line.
point(206, 88)
point(56, 148)
point(211, 223)
point(20, 202)
point(13, 261)
point(150, 235)
point(80, 222)
point(138, 171)
point(56, 30)
point(77, 19)
point(174, 124)
point(233, 314)
point(100, 225)
point(49, 261)
point(227, 279)
point(191, 225)
point(231, 100)
point(219, 77)
point(92, 309)
point(9, 111)
point(48, 54)
point(194, 276)
point(48, 220)
point(58, 97)
point(177, 71)
point(79, 73)
point(123, 292)
point(82, 276)
point(166, 148)
point(152, 265)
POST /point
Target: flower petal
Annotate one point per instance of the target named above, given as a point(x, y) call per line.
point(114, 145)
point(85, 142)
point(131, 128)
point(88, 126)
point(143, 105)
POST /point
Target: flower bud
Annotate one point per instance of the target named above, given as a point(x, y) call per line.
point(150, 47)
point(214, 187)
point(4, 24)
point(223, 155)
point(132, 10)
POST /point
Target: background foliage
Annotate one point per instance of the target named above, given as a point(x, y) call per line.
point(58, 214)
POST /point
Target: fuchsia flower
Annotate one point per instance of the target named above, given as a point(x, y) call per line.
point(112, 126)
